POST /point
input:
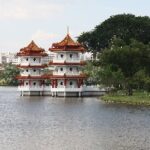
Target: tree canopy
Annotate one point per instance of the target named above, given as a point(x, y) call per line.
point(125, 65)
point(123, 26)
point(8, 76)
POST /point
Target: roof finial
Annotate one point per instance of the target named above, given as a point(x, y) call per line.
point(68, 30)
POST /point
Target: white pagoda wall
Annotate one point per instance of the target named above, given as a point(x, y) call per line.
point(32, 83)
point(31, 72)
point(74, 84)
point(66, 70)
point(26, 60)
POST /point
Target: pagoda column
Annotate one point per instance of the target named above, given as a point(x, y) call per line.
point(56, 83)
point(29, 83)
point(65, 82)
point(79, 83)
point(52, 83)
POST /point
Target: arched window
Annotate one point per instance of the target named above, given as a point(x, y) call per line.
point(27, 83)
point(61, 69)
point(34, 70)
point(61, 83)
point(34, 83)
point(70, 69)
point(71, 83)
point(61, 55)
point(27, 70)
point(34, 59)
point(27, 59)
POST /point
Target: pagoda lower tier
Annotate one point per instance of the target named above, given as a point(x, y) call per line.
point(33, 85)
point(67, 85)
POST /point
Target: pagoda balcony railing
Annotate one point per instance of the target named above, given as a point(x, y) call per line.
point(66, 89)
point(66, 73)
point(34, 88)
point(31, 63)
point(31, 74)
point(57, 60)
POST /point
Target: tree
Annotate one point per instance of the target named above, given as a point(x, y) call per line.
point(92, 71)
point(124, 26)
point(9, 74)
point(125, 61)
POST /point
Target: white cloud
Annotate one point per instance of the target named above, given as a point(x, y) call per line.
point(28, 9)
point(42, 35)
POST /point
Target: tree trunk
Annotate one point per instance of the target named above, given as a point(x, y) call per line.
point(130, 91)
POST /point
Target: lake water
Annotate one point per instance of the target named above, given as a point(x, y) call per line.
point(46, 123)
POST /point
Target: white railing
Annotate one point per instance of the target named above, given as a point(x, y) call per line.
point(30, 63)
point(93, 88)
point(34, 88)
point(65, 89)
point(31, 74)
point(67, 73)
point(66, 60)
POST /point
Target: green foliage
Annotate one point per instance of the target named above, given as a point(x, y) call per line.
point(124, 26)
point(123, 64)
point(8, 76)
point(138, 98)
point(93, 73)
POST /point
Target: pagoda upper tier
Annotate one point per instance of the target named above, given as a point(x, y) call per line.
point(32, 50)
point(67, 44)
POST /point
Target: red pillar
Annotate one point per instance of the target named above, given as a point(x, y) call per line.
point(78, 81)
point(65, 82)
point(56, 83)
point(81, 81)
point(52, 83)
point(29, 82)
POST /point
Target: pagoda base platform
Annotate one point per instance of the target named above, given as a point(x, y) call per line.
point(66, 94)
point(86, 91)
point(35, 93)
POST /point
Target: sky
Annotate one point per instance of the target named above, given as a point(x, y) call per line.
point(46, 21)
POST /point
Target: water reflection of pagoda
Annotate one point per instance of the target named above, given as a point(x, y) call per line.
point(67, 78)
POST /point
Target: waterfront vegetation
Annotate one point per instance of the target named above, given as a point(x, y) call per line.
point(120, 97)
point(121, 51)
point(8, 75)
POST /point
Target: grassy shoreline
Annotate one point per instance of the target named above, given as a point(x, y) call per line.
point(138, 98)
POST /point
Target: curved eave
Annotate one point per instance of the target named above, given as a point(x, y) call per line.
point(66, 49)
point(42, 66)
point(83, 76)
point(32, 54)
point(32, 77)
point(67, 63)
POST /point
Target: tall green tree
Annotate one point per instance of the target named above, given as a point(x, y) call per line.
point(124, 26)
point(125, 61)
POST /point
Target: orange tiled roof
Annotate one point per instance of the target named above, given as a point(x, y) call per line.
point(67, 44)
point(67, 41)
point(32, 49)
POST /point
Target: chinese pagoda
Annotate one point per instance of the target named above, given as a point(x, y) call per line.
point(67, 78)
point(32, 78)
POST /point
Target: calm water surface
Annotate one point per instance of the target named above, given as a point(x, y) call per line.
point(45, 123)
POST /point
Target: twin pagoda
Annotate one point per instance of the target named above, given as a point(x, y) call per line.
point(66, 78)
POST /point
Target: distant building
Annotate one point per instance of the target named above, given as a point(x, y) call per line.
point(8, 57)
